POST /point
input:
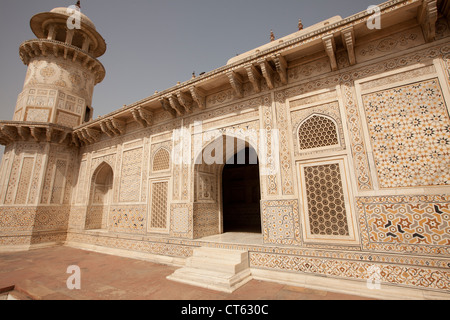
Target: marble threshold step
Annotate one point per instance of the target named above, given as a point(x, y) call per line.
point(216, 269)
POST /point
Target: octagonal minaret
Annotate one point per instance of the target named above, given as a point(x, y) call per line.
point(62, 68)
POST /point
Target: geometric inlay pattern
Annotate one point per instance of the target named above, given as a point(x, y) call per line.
point(68, 120)
point(205, 219)
point(410, 131)
point(180, 218)
point(407, 275)
point(159, 205)
point(280, 222)
point(25, 180)
point(408, 223)
point(38, 115)
point(317, 132)
point(33, 218)
point(58, 183)
point(82, 179)
point(326, 202)
point(95, 217)
point(206, 186)
point(130, 182)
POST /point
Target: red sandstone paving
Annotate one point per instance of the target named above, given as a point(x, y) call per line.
point(42, 275)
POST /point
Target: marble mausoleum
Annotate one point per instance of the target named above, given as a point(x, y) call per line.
point(320, 159)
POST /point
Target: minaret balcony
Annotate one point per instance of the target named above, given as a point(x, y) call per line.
point(45, 47)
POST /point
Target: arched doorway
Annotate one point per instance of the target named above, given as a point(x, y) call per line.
point(100, 197)
point(219, 207)
point(241, 194)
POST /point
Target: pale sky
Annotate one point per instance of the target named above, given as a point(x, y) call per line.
point(153, 44)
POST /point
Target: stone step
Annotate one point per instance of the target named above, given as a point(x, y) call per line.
point(225, 266)
point(217, 269)
point(218, 281)
point(17, 295)
point(222, 254)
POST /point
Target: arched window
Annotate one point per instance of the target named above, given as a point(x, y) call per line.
point(317, 132)
point(161, 160)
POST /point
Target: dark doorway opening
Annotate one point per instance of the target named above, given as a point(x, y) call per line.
point(241, 193)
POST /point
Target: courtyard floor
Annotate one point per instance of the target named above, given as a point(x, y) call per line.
point(41, 275)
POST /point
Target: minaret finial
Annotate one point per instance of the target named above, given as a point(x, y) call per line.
point(78, 4)
point(272, 36)
point(300, 25)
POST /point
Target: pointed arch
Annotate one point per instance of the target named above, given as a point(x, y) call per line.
point(215, 156)
point(227, 151)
